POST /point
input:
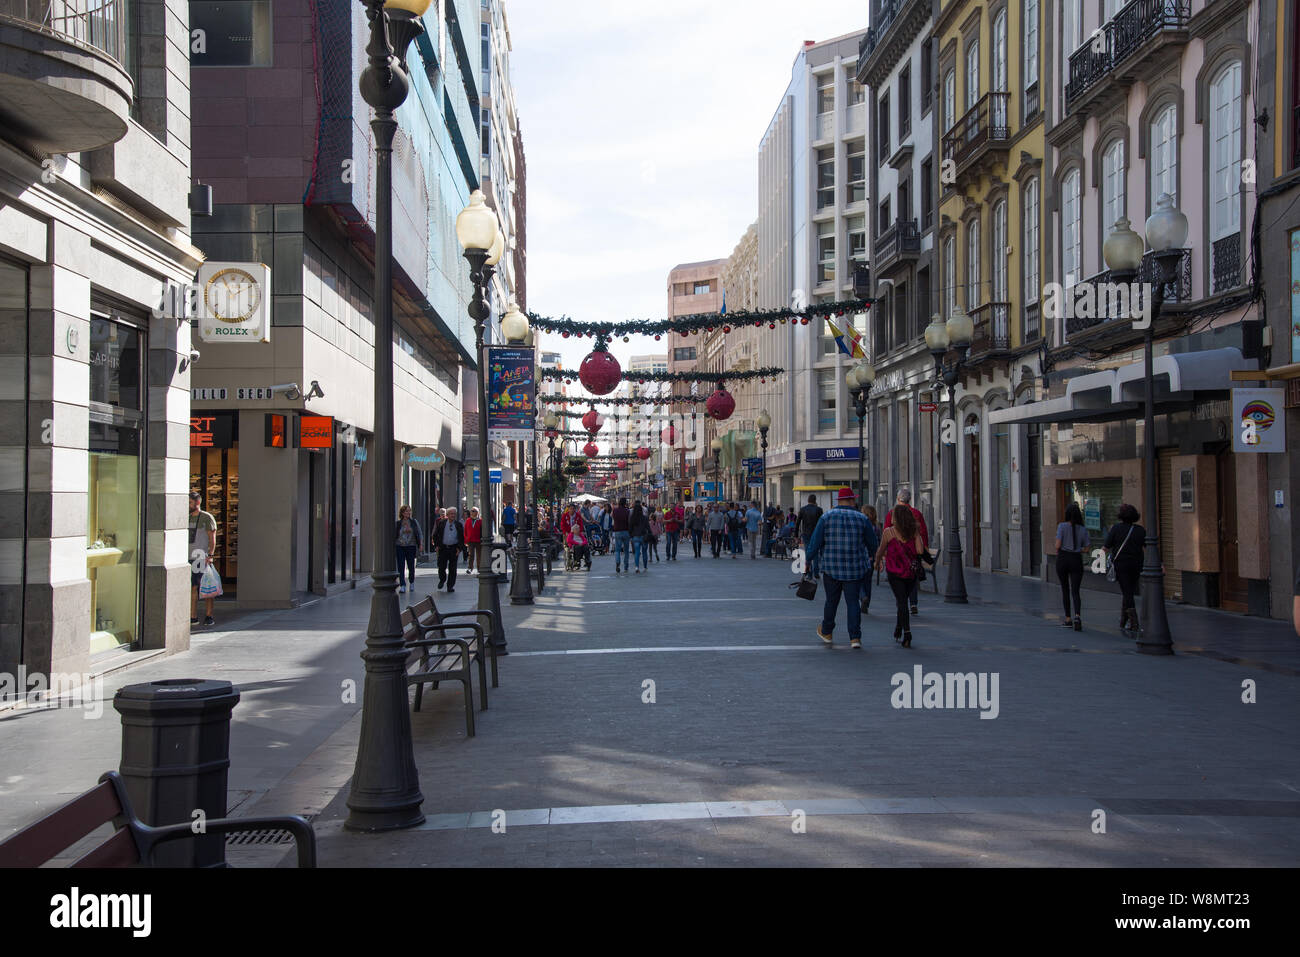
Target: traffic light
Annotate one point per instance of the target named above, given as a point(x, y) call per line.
point(686, 495)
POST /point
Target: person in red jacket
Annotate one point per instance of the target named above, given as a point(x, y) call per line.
point(674, 518)
point(473, 538)
point(905, 499)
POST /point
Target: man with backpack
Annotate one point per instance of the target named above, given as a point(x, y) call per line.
point(735, 522)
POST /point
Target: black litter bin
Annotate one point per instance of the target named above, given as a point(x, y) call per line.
point(175, 760)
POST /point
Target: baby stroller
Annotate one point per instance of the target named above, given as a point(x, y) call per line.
point(597, 540)
point(783, 545)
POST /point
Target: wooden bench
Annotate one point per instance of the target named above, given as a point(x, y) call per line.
point(436, 656)
point(426, 612)
point(133, 842)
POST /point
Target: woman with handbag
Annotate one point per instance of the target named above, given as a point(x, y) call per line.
point(639, 527)
point(900, 557)
point(656, 529)
point(1123, 550)
point(1071, 543)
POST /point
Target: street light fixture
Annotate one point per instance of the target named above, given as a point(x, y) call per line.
point(514, 326)
point(859, 380)
point(956, 334)
point(385, 791)
point(1166, 234)
point(716, 446)
point(764, 422)
point(480, 236)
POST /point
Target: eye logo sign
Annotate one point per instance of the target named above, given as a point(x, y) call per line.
point(1257, 425)
point(1261, 413)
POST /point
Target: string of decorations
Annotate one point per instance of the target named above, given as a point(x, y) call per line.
point(623, 400)
point(641, 378)
point(602, 332)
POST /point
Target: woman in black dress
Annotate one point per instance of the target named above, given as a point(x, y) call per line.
point(1123, 546)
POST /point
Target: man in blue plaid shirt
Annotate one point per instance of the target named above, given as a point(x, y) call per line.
point(842, 547)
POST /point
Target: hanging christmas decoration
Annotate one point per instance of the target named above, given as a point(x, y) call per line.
point(668, 436)
point(592, 421)
point(599, 372)
point(692, 323)
point(643, 453)
point(721, 404)
point(641, 378)
point(590, 449)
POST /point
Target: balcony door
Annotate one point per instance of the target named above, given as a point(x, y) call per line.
point(998, 112)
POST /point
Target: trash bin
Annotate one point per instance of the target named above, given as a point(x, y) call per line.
point(175, 760)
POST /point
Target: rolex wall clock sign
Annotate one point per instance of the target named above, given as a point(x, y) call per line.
point(234, 302)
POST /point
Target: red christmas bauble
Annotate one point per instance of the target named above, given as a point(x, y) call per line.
point(726, 328)
point(600, 373)
point(643, 453)
point(803, 321)
point(564, 335)
point(622, 465)
point(590, 450)
point(771, 325)
point(668, 436)
point(592, 421)
point(720, 405)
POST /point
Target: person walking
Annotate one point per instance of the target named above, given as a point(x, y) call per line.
point(753, 523)
point(449, 537)
point(717, 524)
point(695, 524)
point(899, 555)
point(1071, 544)
point(620, 521)
point(735, 524)
point(639, 528)
point(674, 520)
point(203, 539)
point(809, 516)
point(1123, 546)
point(408, 537)
point(655, 529)
point(473, 539)
point(905, 499)
point(508, 518)
point(839, 546)
point(867, 582)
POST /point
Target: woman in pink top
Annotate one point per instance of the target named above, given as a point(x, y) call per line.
point(473, 537)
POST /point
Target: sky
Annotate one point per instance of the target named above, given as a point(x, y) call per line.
point(641, 124)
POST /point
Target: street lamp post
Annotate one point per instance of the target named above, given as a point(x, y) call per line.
point(716, 446)
point(385, 791)
point(859, 380)
point(480, 236)
point(764, 423)
point(514, 327)
point(1166, 233)
point(956, 333)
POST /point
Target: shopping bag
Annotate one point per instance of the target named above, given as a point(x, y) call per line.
point(210, 583)
point(806, 588)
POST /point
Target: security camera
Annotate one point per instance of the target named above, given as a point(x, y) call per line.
point(315, 391)
point(186, 363)
point(290, 390)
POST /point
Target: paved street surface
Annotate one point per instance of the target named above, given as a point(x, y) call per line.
point(760, 747)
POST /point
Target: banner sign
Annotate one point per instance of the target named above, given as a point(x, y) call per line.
point(212, 431)
point(832, 455)
point(512, 389)
point(706, 491)
point(315, 432)
point(1258, 420)
point(494, 476)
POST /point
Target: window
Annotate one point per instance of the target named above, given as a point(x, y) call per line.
point(1225, 151)
point(684, 354)
point(998, 118)
point(927, 75)
point(826, 93)
point(1071, 33)
point(949, 100)
point(825, 178)
point(925, 439)
point(949, 277)
point(998, 249)
point(885, 219)
point(905, 200)
point(237, 34)
point(972, 72)
point(1071, 230)
point(900, 314)
point(1111, 7)
point(826, 252)
point(1031, 244)
point(927, 193)
point(828, 394)
point(882, 127)
point(857, 227)
point(1113, 200)
point(922, 315)
point(857, 92)
point(972, 264)
point(904, 441)
point(856, 191)
point(904, 102)
point(1030, 79)
point(1164, 155)
point(703, 288)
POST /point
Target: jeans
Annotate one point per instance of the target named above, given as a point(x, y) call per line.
point(835, 588)
point(697, 541)
point(1069, 568)
point(902, 588)
point(715, 542)
point(651, 548)
point(405, 560)
point(508, 532)
point(670, 549)
point(622, 558)
point(638, 550)
point(867, 582)
point(736, 547)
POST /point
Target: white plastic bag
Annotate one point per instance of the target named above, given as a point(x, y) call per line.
point(210, 583)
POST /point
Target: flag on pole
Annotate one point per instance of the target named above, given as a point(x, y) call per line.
point(723, 310)
point(850, 344)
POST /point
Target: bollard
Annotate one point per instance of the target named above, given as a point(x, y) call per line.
point(521, 586)
point(175, 759)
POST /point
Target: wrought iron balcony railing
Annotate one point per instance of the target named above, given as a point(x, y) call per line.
point(1179, 290)
point(100, 24)
point(900, 239)
point(888, 12)
point(1121, 37)
point(992, 328)
point(984, 124)
point(1226, 266)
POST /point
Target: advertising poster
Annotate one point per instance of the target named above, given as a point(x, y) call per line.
point(512, 394)
point(1258, 420)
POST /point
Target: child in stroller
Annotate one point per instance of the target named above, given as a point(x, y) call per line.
point(577, 550)
point(597, 540)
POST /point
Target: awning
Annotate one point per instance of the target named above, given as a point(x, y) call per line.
point(1118, 393)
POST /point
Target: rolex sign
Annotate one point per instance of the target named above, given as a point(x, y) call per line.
point(234, 302)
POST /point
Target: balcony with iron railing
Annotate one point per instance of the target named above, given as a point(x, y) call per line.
point(898, 244)
point(64, 85)
point(1141, 26)
point(1100, 306)
point(983, 130)
point(992, 328)
point(884, 20)
point(1226, 263)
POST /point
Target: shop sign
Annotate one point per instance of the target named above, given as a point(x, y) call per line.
point(1092, 514)
point(315, 432)
point(929, 407)
point(890, 382)
point(832, 455)
point(424, 459)
point(1258, 420)
point(494, 476)
point(512, 391)
point(277, 431)
point(212, 431)
point(234, 302)
point(224, 394)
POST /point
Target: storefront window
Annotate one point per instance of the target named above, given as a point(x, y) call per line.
point(904, 442)
point(1099, 500)
point(113, 534)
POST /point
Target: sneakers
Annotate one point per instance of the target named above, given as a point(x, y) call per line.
point(1078, 623)
point(401, 589)
point(907, 639)
point(855, 644)
point(194, 621)
point(826, 639)
point(209, 620)
point(1066, 622)
point(915, 610)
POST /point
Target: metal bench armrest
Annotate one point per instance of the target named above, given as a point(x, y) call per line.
point(469, 626)
point(303, 835)
point(491, 616)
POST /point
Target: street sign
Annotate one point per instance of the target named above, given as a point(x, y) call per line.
point(751, 462)
point(929, 406)
point(494, 476)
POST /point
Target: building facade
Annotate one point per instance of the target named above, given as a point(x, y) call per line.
point(284, 140)
point(693, 288)
point(94, 225)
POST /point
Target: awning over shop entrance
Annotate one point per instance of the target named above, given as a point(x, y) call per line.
point(1118, 393)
